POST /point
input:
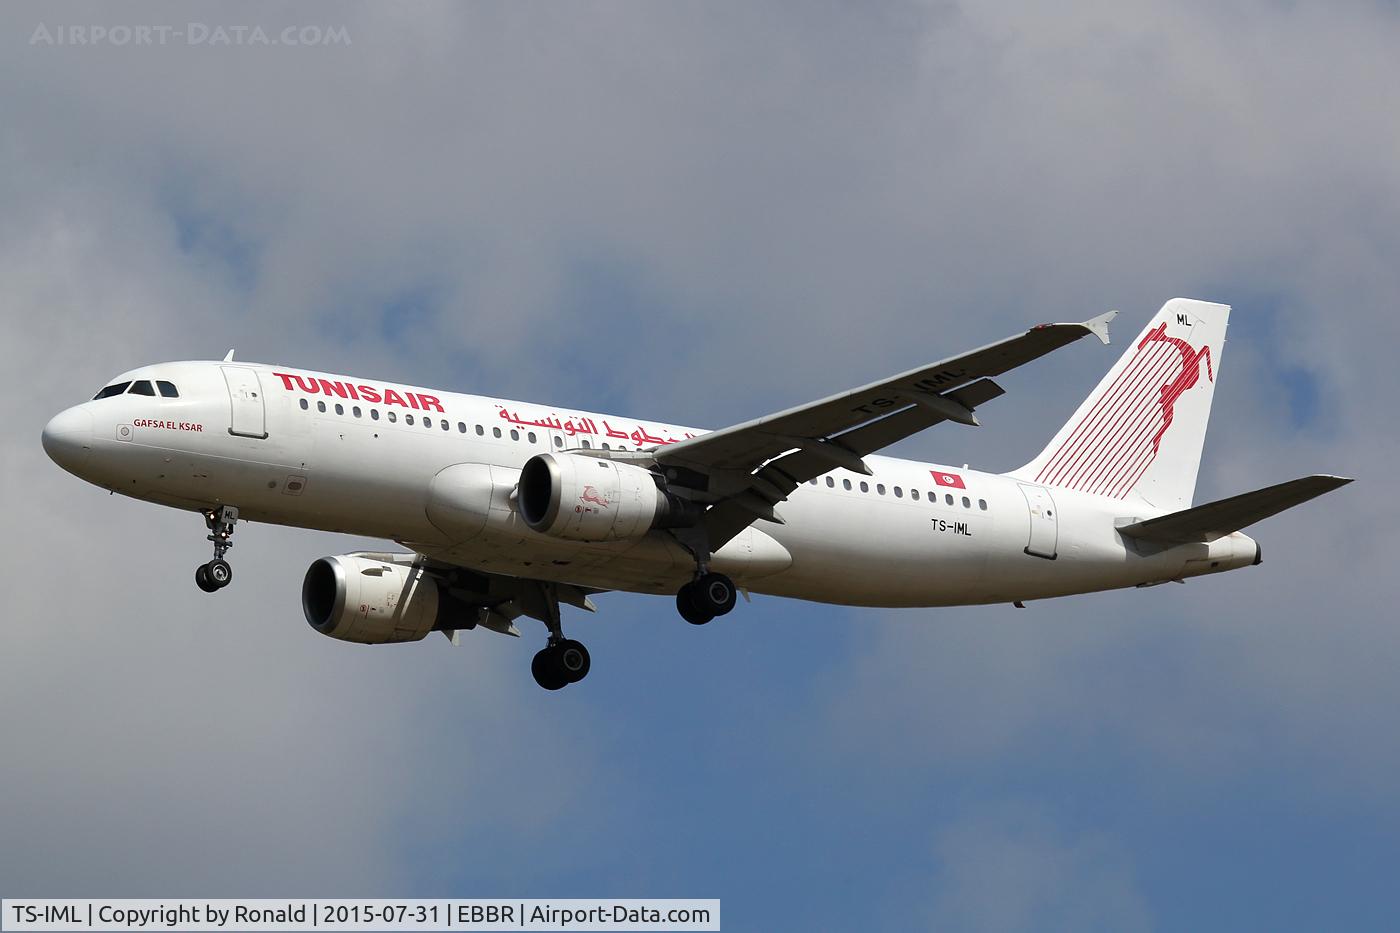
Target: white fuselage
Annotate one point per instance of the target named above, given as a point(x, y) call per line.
point(367, 463)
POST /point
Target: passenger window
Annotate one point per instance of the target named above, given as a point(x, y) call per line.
point(111, 390)
point(830, 483)
point(461, 428)
point(355, 411)
point(948, 498)
point(321, 407)
point(304, 405)
point(374, 414)
point(446, 426)
point(428, 423)
point(407, 419)
point(496, 432)
point(339, 408)
point(531, 437)
point(914, 494)
point(811, 482)
point(880, 488)
point(898, 493)
point(480, 430)
point(143, 387)
point(558, 442)
point(167, 389)
point(587, 445)
point(846, 483)
point(393, 416)
point(864, 486)
point(982, 504)
point(605, 446)
point(514, 434)
point(967, 503)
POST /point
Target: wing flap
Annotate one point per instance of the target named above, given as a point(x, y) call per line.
point(786, 473)
point(1218, 519)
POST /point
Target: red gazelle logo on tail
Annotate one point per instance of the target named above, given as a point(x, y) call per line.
point(1120, 436)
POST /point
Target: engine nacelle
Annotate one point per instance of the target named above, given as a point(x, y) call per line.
point(594, 499)
point(373, 602)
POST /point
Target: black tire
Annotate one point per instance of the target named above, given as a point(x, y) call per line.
point(549, 674)
point(573, 660)
point(689, 606)
point(201, 579)
point(715, 593)
point(219, 573)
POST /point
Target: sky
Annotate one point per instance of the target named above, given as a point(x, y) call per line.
point(700, 213)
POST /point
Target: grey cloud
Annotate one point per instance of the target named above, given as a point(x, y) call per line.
point(794, 200)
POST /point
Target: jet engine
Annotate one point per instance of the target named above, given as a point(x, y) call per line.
point(594, 499)
point(359, 598)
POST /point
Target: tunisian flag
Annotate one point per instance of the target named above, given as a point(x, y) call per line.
point(948, 479)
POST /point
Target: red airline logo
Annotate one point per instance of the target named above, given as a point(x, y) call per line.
point(948, 479)
point(311, 385)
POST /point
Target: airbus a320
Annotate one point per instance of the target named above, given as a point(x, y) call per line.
point(512, 509)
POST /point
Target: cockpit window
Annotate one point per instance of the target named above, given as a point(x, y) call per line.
point(167, 389)
point(142, 387)
point(111, 390)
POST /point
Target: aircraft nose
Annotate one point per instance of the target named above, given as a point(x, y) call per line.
point(68, 438)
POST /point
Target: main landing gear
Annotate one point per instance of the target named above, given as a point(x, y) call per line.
point(562, 661)
point(217, 574)
point(710, 594)
point(707, 596)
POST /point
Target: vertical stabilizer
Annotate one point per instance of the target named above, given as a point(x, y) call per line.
point(1140, 432)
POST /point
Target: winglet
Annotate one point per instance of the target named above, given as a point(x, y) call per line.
point(1098, 326)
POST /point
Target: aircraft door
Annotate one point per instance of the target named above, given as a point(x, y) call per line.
point(247, 417)
point(1045, 528)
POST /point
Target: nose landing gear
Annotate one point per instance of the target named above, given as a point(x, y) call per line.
point(217, 574)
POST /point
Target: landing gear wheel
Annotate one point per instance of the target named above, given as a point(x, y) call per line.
point(573, 660)
point(549, 673)
point(218, 573)
point(201, 578)
point(715, 593)
point(688, 604)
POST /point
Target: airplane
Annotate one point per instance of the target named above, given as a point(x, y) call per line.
point(512, 509)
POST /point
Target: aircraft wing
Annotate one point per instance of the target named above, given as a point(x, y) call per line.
point(495, 600)
point(745, 470)
point(1220, 518)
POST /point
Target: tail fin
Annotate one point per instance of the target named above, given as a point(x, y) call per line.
point(1141, 431)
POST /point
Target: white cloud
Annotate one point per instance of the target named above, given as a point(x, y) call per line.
point(1011, 869)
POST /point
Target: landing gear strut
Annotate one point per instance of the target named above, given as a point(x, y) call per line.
point(217, 574)
point(710, 594)
point(562, 661)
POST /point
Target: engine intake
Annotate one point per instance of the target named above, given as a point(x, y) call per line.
point(594, 499)
point(363, 599)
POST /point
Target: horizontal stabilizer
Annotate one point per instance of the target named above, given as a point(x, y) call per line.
point(1218, 519)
